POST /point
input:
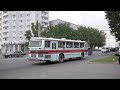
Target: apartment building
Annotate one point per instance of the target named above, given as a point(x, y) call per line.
point(58, 21)
point(15, 24)
point(110, 39)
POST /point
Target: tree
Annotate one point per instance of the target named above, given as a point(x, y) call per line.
point(34, 32)
point(63, 30)
point(93, 36)
point(113, 18)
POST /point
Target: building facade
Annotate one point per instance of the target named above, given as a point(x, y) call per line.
point(58, 21)
point(110, 39)
point(15, 24)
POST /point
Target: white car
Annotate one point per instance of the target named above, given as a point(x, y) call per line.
point(103, 50)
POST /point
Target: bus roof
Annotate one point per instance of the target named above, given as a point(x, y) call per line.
point(54, 39)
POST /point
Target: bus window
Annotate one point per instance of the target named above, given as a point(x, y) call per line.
point(61, 44)
point(81, 45)
point(53, 45)
point(76, 45)
point(47, 44)
point(35, 43)
point(69, 44)
point(85, 45)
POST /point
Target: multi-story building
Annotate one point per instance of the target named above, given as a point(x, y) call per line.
point(0, 30)
point(15, 24)
point(110, 39)
point(58, 21)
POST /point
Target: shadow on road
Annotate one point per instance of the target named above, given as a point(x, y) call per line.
point(51, 63)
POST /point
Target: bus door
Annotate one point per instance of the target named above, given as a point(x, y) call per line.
point(54, 49)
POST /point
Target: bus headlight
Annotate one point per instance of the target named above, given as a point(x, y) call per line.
point(47, 56)
point(40, 55)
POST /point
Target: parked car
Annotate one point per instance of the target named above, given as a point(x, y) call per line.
point(103, 50)
point(14, 54)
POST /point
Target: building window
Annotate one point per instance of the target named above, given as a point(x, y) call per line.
point(5, 39)
point(5, 28)
point(4, 17)
point(21, 32)
point(21, 21)
point(44, 18)
point(21, 38)
point(28, 15)
point(28, 21)
point(13, 27)
point(44, 12)
point(5, 33)
point(21, 26)
point(14, 21)
point(45, 23)
point(14, 15)
point(5, 11)
point(5, 22)
point(21, 15)
point(28, 26)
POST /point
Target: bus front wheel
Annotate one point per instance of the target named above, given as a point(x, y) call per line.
point(61, 58)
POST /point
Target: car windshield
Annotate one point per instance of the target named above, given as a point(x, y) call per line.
point(35, 43)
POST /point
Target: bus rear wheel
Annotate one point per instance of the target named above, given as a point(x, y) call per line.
point(61, 58)
point(82, 56)
point(48, 61)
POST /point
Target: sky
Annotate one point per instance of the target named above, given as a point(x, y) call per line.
point(95, 19)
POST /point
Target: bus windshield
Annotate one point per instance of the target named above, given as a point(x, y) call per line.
point(35, 43)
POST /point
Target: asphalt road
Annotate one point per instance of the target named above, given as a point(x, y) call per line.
point(21, 68)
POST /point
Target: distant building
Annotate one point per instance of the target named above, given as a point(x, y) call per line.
point(58, 21)
point(118, 44)
point(110, 39)
point(14, 24)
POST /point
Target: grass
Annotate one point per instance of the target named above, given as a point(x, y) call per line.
point(107, 59)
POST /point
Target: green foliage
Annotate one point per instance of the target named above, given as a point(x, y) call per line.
point(59, 31)
point(35, 31)
point(28, 35)
point(113, 18)
point(63, 30)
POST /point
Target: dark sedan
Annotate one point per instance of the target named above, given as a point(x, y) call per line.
point(14, 54)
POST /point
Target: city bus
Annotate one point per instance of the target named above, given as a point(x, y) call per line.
point(52, 49)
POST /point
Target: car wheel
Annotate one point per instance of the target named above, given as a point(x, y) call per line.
point(5, 56)
point(10, 56)
point(21, 55)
